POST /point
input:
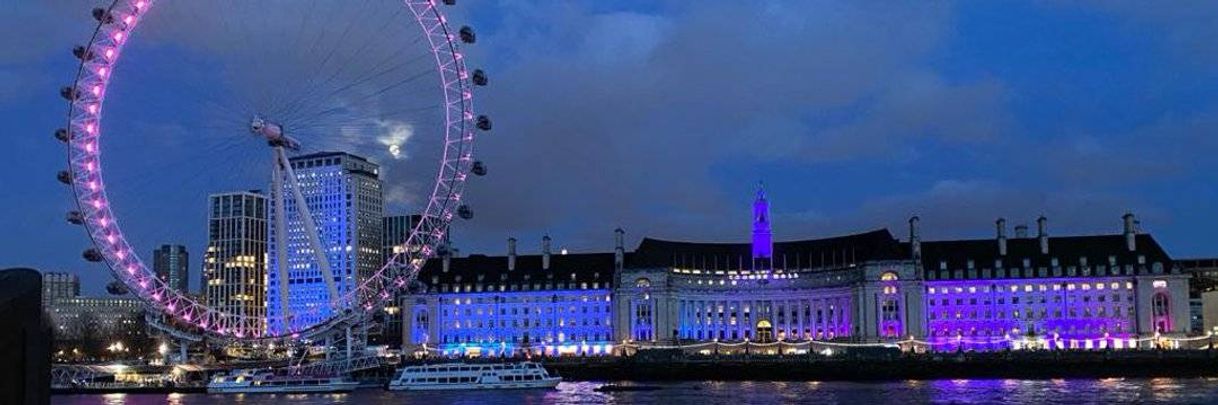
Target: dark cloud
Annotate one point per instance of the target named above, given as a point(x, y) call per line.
point(617, 118)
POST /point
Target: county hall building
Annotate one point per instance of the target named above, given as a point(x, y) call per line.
point(1010, 291)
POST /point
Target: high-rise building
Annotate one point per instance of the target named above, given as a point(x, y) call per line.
point(344, 197)
point(59, 285)
point(172, 265)
point(234, 264)
point(395, 230)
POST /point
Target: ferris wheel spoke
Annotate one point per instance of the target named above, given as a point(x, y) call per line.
point(364, 79)
point(310, 79)
point(361, 101)
point(311, 89)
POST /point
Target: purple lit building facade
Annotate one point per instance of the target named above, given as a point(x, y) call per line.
point(1104, 291)
point(1083, 292)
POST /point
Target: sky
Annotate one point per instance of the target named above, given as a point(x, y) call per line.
point(661, 117)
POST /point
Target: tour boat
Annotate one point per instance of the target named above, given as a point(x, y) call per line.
point(461, 376)
point(251, 382)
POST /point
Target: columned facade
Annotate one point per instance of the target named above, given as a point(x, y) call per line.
point(1113, 291)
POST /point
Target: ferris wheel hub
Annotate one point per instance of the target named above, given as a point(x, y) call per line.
point(273, 132)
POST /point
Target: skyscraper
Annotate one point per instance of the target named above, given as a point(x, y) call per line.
point(344, 197)
point(59, 285)
point(172, 265)
point(234, 264)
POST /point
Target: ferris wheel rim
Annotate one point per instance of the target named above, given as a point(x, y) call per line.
point(86, 99)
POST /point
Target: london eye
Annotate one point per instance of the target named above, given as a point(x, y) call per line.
point(205, 98)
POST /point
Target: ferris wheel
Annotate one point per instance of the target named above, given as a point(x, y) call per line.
point(227, 95)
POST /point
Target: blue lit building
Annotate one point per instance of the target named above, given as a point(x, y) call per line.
point(1075, 292)
point(344, 196)
point(509, 305)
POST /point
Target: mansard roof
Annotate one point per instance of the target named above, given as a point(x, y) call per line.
point(1068, 250)
point(586, 267)
point(836, 251)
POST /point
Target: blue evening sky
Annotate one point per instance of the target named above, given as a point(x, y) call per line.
point(661, 117)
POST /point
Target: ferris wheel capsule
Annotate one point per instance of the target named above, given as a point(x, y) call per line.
point(102, 15)
point(479, 77)
point(116, 288)
point(465, 212)
point(64, 177)
point(479, 168)
point(69, 93)
point(450, 2)
point(61, 134)
point(467, 35)
point(82, 53)
point(75, 218)
point(92, 255)
point(483, 122)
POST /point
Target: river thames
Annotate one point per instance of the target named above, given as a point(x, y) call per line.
point(1114, 390)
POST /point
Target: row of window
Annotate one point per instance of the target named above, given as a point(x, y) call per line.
point(1032, 314)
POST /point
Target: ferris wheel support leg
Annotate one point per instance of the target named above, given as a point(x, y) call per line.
point(281, 241)
point(302, 208)
point(349, 342)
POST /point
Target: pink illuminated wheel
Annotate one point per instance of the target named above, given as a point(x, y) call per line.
point(454, 132)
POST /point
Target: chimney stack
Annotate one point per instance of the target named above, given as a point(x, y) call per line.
point(1041, 234)
point(1021, 231)
point(619, 250)
point(1001, 224)
point(545, 252)
point(447, 255)
point(915, 238)
point(511, 254)
point(1131, 231)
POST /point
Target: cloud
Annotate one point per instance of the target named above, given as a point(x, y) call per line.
point(394, 135)
point(1174, 146)
point(1187, 26)
point(619, 118)
point(967, 208)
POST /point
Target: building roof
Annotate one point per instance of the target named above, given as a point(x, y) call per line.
point(1197, 263)
point(838, 251)
point(323, 154)
point(1068, 250)
point(578, 267)
point(833, 252)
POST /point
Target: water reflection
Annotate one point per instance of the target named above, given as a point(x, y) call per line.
point(966, 391)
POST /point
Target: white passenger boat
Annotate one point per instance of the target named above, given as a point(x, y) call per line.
point(461, 376)
point(253, 382)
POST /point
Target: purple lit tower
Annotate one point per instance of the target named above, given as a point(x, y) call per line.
point(763, 243)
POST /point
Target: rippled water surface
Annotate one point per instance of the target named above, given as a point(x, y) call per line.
point(1164, 390)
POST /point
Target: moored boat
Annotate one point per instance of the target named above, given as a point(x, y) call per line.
point(461, 376)
point(253, 382)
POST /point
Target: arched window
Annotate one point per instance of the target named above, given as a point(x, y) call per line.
point(642, 282)
point(1161, 312)
point(1160, 305)
point(888, 276)
point(765, 331)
